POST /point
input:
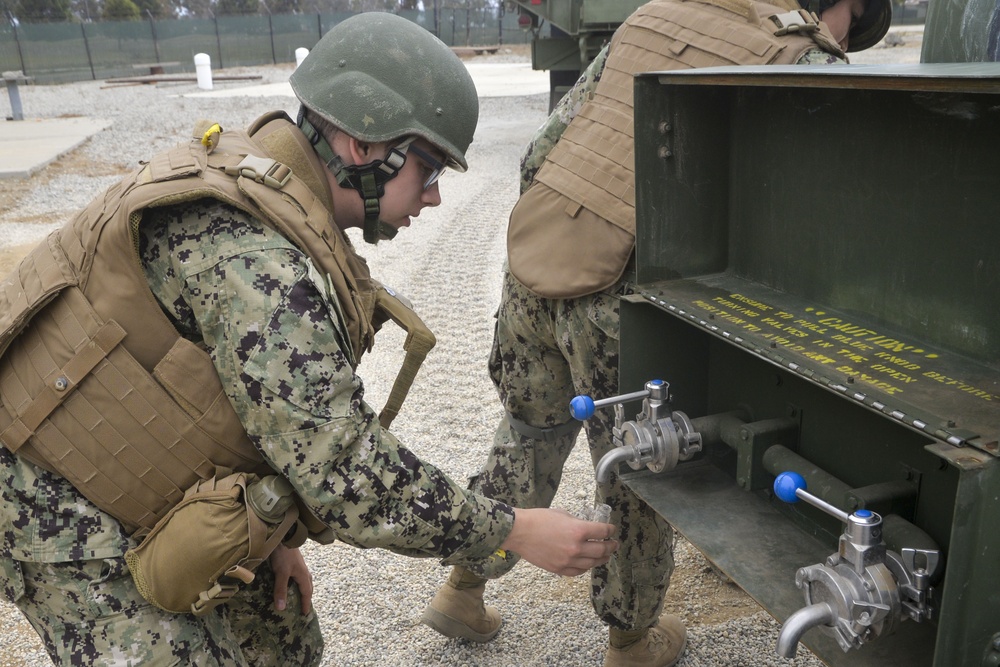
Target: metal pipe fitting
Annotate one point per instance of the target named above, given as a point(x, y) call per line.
point(610, 461)
point(798, 623)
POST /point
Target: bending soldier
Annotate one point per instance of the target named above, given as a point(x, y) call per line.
point(557, 324)
point(179, 407)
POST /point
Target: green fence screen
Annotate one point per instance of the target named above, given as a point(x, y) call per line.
point(62, 52)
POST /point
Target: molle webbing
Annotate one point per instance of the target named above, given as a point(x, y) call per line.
point(97, 386)
point(89, 412)
point(36, 281)
point(592, 164)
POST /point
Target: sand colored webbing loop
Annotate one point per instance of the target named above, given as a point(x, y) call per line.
point(419, 341)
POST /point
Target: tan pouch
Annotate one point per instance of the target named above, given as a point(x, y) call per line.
point(560, 250)
point(196, 556)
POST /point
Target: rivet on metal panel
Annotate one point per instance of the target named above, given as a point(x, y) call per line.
point(664, 152)
point(664, 127)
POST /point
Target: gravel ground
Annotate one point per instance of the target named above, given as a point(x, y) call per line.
point(449, 264)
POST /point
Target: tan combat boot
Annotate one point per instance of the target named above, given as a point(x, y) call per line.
point(458, 610)
point(659, 646)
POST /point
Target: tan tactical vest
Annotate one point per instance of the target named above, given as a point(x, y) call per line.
point(573, 231)
point(96, 384)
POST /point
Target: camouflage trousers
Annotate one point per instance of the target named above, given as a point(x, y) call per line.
point(90, 613)
point(545, 352)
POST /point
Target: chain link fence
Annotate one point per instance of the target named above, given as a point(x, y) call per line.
point(63, 52)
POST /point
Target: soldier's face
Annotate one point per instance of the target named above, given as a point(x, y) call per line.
point(408, 193)
point(842, 17)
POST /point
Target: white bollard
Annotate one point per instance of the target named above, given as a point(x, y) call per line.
point(300, 55)
point(203, 69)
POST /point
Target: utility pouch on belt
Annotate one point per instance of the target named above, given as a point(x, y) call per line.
point(196, 556)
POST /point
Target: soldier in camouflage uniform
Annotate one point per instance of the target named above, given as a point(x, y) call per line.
point(252, 283)
point(570, 246)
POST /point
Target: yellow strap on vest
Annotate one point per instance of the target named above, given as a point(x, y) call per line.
point(207, 132)
point(419, 341)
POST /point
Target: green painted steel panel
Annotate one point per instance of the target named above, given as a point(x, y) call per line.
point(821, 245)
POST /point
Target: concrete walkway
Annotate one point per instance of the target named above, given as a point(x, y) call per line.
point(26, 146)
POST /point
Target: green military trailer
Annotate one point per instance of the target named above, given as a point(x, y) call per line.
point(577, 31)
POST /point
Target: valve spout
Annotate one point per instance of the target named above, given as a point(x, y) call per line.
point(610, 461)
point(798, 623)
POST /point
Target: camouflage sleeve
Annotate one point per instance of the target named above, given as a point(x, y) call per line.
point(819, 57)
point(548, 134)
point(266, 317)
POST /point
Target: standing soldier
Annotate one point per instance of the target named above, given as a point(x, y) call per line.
point(179, 408)
point(569, 246)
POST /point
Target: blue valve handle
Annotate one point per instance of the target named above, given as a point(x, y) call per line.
point(787, 484)
point(791, 487)
point(583, 407)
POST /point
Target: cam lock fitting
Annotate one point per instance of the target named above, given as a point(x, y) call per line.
point(657, 438)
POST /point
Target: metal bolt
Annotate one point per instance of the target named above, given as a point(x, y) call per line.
point(664, 127)
point(62, 383)
point(664, 152)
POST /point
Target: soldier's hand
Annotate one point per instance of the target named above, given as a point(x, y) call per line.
point(288, 564)
point(556, 541)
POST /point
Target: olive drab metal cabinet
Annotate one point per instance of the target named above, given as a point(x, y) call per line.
point(813, 347)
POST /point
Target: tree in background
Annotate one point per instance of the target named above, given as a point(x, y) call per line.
point(41, 11)
point(120, 10)
point(288, 6)
point(238, 7)
point(155, 8)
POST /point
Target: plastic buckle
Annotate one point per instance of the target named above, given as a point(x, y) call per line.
point(264, 170)
point(798, 21)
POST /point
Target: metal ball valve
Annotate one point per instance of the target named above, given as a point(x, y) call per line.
point(657, 438)
point(863, 591)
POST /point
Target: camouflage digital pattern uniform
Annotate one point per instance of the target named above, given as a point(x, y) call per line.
point(545, 352)
point(270, 323)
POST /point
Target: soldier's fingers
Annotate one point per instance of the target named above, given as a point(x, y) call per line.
point(280, 591)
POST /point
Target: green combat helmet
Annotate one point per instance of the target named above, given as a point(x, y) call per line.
point(380, 77)
point(870, 28)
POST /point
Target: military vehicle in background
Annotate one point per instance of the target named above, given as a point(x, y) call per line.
point(577, 31)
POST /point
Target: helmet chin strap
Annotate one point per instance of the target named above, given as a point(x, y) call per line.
point(367, 179)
